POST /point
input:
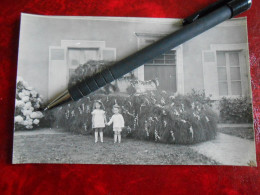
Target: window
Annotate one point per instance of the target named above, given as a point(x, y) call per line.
point(229, 75)
point(163, 68)
point(71, 72)
point(77, 56)
point(80, 56)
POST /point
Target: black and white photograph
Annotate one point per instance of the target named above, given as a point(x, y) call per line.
point(192, 105)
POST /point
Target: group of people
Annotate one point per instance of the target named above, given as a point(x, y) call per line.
point(99, 121)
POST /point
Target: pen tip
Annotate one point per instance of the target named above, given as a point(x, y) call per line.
point(42, 109)
point(65, 96)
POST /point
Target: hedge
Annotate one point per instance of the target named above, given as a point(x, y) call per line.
point(155, 116)
point(236, 110)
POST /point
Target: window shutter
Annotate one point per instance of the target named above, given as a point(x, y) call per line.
point(57, 54)
point(109, 54)
point(57, 71)
point(245, 73)
point(210, 73)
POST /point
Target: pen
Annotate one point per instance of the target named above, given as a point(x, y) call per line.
point(193, 25)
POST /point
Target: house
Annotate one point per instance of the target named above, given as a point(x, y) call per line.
point(216, 61)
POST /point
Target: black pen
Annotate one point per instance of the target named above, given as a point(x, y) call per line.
point(193, 25)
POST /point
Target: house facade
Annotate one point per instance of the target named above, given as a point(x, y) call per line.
point(216, 61)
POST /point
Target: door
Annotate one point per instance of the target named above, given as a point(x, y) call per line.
point(163, 68)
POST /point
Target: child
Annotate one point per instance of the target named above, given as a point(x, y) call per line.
point(118, 123)
point(98, 120)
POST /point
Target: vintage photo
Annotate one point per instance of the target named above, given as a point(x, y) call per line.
point(189, 106)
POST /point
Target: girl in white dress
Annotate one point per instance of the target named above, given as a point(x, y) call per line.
point(118, 123)
point(98, 119)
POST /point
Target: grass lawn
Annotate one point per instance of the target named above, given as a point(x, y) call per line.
point(242, 132)
point(81, 149)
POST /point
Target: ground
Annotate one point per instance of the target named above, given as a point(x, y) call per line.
point(239, 130)
point(229, 150)
point(56, 147)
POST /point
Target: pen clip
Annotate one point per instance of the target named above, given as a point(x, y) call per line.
point(236, 6)
point(204, 11)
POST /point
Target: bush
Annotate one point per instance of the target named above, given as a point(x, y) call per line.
point(238, 110)
point(200, 96)
point(131, 90)
point(156, 116)
point(88, 69)
point(27, 102)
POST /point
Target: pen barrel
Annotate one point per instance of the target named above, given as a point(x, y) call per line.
point(91, 84)
point(204, 11)
point(141, 57)
point(239, 6)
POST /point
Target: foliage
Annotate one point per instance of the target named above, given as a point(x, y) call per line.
point(201, 97)
point(134, 84)
point(26, 103)
point(88, 69)
point(156, 116)
point(238, 110)
point(131, 90)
